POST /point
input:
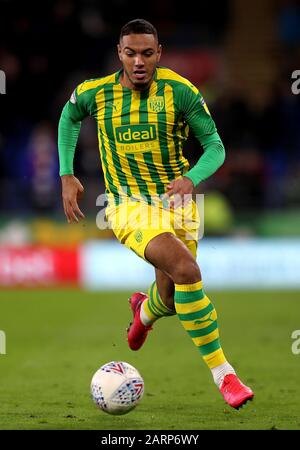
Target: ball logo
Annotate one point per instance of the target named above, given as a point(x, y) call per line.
point(114, 367)
point(138, 387)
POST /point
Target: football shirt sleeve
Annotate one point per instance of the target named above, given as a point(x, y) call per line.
point(198, 118)
point(74, 111)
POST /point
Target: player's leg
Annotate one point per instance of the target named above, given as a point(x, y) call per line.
point(129, 221)
point(160, 299)
point(162, 290)
point(196, 312)
point(165, 287)
point(148, 308)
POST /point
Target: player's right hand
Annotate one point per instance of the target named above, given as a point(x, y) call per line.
point(72, 191)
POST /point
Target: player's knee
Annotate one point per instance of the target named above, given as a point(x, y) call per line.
point(186, 272)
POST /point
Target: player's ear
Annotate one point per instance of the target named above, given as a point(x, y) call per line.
point(159, 50)
point(119, 52)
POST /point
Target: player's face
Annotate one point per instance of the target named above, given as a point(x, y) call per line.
point(139, 54)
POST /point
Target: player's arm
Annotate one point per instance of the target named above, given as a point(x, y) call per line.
point(68, 131)
point(199, 119)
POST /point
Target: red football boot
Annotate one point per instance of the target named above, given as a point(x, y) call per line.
point(235, 393)
point(137, 331)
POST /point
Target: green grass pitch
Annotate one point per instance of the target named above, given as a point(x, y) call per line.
point(57, 339)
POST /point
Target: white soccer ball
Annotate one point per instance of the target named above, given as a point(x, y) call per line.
point(117, 387)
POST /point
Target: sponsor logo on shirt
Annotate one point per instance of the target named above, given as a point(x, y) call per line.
point(131, 134)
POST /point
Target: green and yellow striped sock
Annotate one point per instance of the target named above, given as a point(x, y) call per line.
point(153, 308)
point(199, 318)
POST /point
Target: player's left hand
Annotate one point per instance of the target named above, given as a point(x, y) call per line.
point(182, 189)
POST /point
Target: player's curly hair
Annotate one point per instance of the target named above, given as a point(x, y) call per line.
point(138, 26)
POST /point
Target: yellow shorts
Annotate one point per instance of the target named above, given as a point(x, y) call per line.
point(135, 223)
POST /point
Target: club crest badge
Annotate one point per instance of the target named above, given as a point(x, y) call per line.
point(157, 103)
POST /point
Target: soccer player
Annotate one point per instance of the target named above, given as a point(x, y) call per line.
point(143, 113)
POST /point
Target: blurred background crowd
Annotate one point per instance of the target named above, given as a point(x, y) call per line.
point(241, 56)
